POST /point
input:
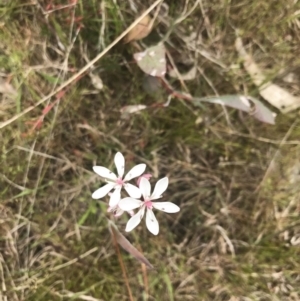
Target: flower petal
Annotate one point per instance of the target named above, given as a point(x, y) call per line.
point(135, 172)
point(115, 197)
point(103, 191)
point(160, 188)
point(133, 191)
point(135, 220)
point(151, 222)
point(128, 204)
point(145, 188)
point(104, 172)
point(120, 164)
point(145, 175)
point(166, 207)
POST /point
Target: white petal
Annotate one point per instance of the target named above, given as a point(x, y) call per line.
point(115, 197)
point(131, 212)
point(151, 222)
point(145, 188)
point(135, 220)
point(128, 204)
point(133, 191)
point(166, 207)
point(135, 171)
point(120, 164)
point(103, 191)
point(160, 188)
point(104, 172)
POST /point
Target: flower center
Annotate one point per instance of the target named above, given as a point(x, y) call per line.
point(148, 204)
point(119, 181)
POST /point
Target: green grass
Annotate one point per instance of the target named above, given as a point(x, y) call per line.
point(230, 241)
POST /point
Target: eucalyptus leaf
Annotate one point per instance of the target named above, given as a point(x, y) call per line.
point(244, 103)
point(261, 112)
point(152, 61)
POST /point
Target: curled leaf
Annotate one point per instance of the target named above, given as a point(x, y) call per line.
point(140, 31)
point(127, 246)
point(247, 104)
point(261, 112)
point(152, 61)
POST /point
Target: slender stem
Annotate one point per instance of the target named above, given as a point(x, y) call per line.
point(173, 92)
point(122, 267)
point(145, 278)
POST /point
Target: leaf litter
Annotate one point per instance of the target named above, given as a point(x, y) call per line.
point(127, 246)
point(140, 31)
point(272, 93)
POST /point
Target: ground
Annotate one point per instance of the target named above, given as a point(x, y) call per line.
point(236, 179)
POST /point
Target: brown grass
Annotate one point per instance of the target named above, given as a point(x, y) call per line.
point(235, 179)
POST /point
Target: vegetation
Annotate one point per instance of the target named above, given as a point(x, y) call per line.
point(235, 178)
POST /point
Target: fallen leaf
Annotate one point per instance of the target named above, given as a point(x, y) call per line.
point(96, 81)
point(140, 31)
point(152, 61)
point(132, 109)
point(127, 246)
point(261, 112)
point(233, 101)
point(7, 89)
point(275, 95)
point(243, 103)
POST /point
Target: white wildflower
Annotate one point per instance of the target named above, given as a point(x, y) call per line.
point(118, 182)
point(147, 204)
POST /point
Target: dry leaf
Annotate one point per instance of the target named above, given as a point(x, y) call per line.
point(127, 246)
point(152, 61)
point(140, 31)
point(96, 81)
point(240, 102)
point(132, 109)
point(7, 96)
point(7, 89)
point(275, 95)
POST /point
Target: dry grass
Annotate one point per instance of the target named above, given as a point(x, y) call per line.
point(236, 180)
